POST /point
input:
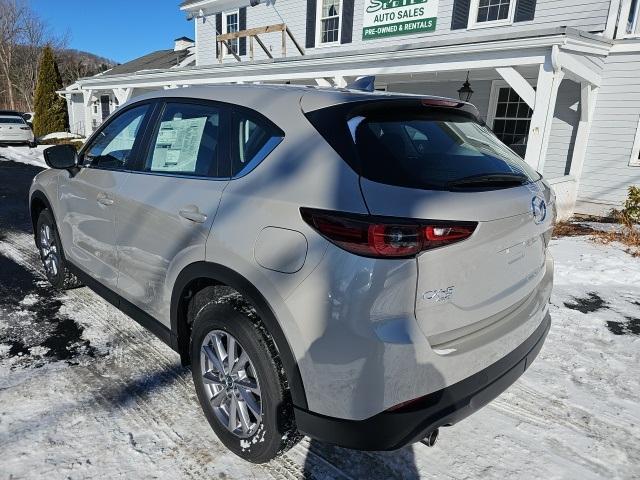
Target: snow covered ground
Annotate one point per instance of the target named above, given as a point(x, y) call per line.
point(26, 155)
point(87, 393)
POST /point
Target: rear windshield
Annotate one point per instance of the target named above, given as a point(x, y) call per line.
point(17, 120)
point(440, 151)
point(413, 144)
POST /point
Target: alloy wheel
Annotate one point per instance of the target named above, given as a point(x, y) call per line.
point(231, 383)
point(49, 251)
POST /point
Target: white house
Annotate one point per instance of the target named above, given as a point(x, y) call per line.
point(558, 80)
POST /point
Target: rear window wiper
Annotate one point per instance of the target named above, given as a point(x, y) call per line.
point(500, 180)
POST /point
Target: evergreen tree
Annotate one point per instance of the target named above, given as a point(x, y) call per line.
point(50, 109)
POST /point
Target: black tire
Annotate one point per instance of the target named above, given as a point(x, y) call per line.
point(277, 432)
point(62, 278)
point(33, 144)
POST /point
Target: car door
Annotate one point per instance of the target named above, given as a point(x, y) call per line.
point(168, 205)
point(89, 197)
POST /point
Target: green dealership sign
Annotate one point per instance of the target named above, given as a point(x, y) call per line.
point(387, 18)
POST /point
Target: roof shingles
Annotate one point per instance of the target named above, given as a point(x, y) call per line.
point(161, 59)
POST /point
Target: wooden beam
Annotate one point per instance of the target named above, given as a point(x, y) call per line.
point(229, 49)
point(519, 84)
point(284, 43)
point(295, 42)
point(266, 51)
point(280, 27)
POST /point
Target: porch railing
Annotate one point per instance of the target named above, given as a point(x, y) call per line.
point(253, 33)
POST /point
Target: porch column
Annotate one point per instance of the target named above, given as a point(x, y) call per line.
point(88, 117)
point(123, 94)
point(588, 95)
point(549, 80)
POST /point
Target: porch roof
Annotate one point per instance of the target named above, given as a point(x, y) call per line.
point(489, 51)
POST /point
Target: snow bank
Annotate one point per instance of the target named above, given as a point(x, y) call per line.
point(60, 136)
point(30, 156)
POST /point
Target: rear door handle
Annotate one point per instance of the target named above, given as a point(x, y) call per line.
point(193, 214)
point(103, 199)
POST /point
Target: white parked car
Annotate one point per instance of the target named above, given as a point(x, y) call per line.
point(14, 130)
point(362, 268)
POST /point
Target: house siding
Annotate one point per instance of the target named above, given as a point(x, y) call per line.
point(606, 174)
point(205, 40)
point(587, 15)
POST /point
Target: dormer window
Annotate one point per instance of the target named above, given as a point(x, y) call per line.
point(491, 13)
point(329, 21)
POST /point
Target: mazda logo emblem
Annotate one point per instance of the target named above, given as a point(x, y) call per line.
point(539, 209)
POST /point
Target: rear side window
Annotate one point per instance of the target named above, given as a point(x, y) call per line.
point(253, 137)
point(425, 147)
point(113, 145)
point(187, 141)
point(12, 120)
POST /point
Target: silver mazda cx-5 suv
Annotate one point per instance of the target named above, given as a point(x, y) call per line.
point(362, 268)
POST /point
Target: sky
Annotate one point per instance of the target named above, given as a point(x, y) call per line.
point(116, 29)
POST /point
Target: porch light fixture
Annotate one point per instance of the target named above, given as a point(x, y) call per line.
point(465, 92)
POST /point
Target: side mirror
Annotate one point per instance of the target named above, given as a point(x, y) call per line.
point(63, 157)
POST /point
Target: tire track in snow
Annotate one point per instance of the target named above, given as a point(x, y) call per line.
point(133, 384)
point(131, 344)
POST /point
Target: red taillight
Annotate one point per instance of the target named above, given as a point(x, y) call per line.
point(379, 237)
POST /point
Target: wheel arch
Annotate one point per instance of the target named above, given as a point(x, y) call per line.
point(214, 273)
point(38, 202)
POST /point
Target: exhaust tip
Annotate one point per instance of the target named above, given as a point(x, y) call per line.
point(431, 438)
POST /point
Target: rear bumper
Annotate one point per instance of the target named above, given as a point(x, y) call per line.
point(16, 141)
point(393, 430)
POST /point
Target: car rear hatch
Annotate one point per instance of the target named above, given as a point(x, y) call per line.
point(12, 127)
point(433, 162)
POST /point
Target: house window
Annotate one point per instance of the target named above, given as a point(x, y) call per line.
point(635, 151)
point(512, 119)
point(633, 27)
point(329, 18)
point(96, 105)
point(231, 26)
point(491, 12)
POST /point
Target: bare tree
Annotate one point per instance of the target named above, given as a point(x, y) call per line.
point(12, 15)
point(25, 65)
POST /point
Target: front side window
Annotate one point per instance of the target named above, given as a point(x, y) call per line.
point(186, 141)
point(512, 120)
point(113, 145)
point(232, 27)
point(254, 138)
point(329, 21)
